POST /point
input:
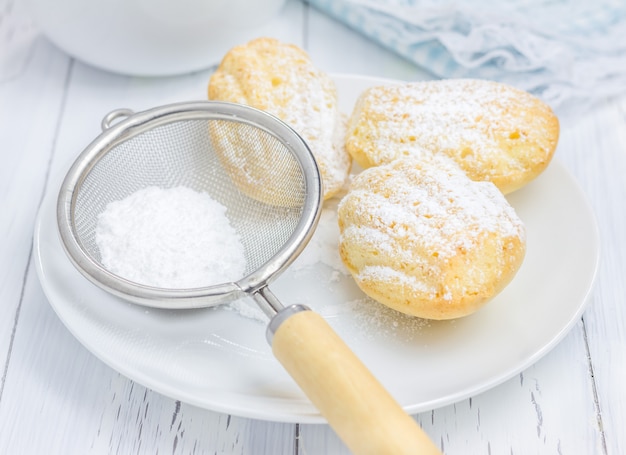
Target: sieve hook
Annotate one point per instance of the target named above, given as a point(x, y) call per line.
point(108, 119)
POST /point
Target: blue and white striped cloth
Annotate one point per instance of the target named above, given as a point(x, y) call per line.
point(564, 51)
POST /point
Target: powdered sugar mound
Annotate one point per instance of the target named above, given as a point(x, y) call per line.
point(170, 238)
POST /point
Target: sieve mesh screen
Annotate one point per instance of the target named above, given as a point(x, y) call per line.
point(242, 166)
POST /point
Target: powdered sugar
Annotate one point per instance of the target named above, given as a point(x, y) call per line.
point(364, 318)
point(389, 274)
point(443, 213)
point(440, 116)
point(307, 100)
point(170, 238)
point(495, 132)
point(248, 309)
point(281, 79)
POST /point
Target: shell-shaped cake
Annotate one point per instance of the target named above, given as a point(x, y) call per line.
point(281, 79)
point(421, 237)
point(493, 131)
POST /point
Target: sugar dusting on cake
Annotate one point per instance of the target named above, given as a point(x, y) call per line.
point(443, 213)
point(444, 115)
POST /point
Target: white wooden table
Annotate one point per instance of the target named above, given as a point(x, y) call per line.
point(57, 398)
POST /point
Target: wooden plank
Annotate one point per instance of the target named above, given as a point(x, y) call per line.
point(80, 405)
point(32, 91)
point(535, 412)
point(594, 149)
point(531, 413)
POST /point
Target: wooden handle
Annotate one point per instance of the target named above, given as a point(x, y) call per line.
point(357, 407)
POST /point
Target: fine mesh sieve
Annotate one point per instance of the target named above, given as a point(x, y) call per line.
point(265, 175)
point(272, 194)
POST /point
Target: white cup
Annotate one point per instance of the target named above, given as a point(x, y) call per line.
point(152, 37)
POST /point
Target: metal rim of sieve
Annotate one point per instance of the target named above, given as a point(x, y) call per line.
point(133, 124)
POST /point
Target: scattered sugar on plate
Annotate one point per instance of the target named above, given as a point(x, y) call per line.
point(248, 309)
point(374, 320)
point(173, 238)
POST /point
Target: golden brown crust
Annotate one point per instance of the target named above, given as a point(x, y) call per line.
point(419, 236)
point(493, 131)
point(281, 79)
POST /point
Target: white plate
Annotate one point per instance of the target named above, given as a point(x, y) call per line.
point(218, 358)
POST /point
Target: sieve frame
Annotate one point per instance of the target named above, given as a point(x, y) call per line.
point(135, 123)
